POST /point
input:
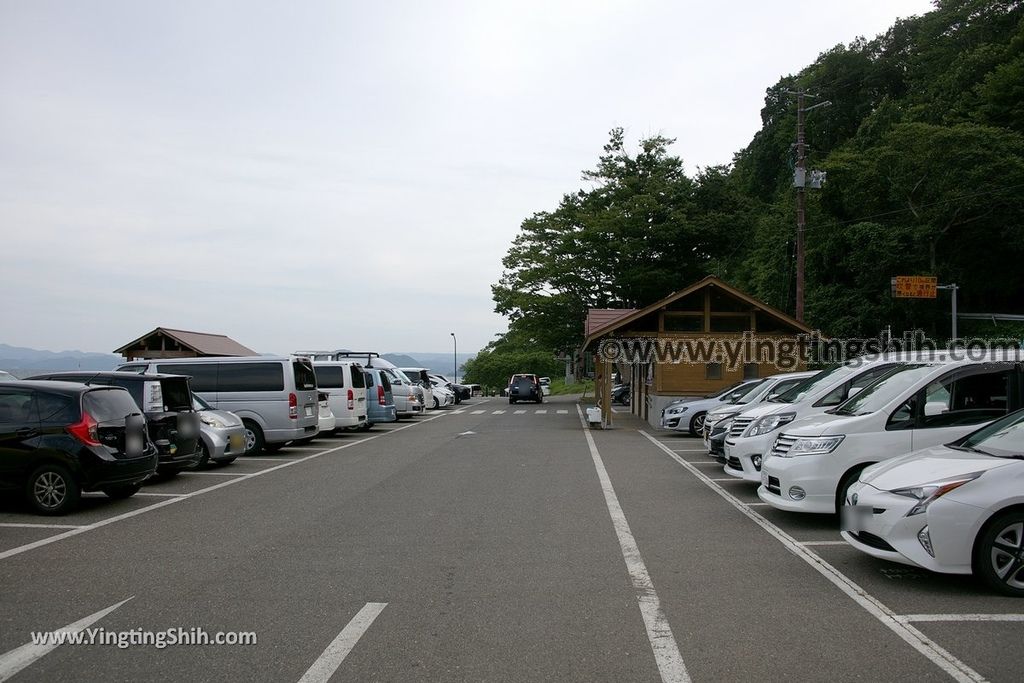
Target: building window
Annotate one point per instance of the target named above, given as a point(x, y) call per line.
point(751, 371)
point(713, 371)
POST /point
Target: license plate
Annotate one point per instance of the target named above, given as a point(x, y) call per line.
point(309, 411)
point(854, 517)
point(236, 441)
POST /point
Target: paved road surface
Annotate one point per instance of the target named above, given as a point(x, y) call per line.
point(488, 543)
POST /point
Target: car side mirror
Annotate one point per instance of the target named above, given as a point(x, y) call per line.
point(854, 391)
point(933, 408)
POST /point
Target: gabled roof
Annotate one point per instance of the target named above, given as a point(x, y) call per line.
point(203, 343)
point(598, 318)
point(709, 281)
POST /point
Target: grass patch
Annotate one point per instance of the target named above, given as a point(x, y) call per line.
point(560, 388)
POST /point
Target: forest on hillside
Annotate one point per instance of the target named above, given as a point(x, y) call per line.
point(923, 146)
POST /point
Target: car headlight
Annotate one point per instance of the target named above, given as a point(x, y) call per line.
point(926, 494)
point(212, 421)
point(676, 410)
point(712, 419)
point(769, 423)
point(815, 446)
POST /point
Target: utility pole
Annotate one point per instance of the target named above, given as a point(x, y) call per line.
point(800, 181)
point(953, 289)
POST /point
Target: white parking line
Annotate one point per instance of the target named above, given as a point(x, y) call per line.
point(756, 505)
point(328, 662)
point(498, 412)
point(154, 494)
point(257, 458)
point(519, 412)
point(219, 474)
point(478, 412)
point(817, 542)
point(690, 450)
point(730, 480)
point(563, 412)
point(912, 636)
point(659, 632)
point(961, 617)
point(171, 501)
point(17, 659)
point(29, 525)
point(540, 412)
point(460, 411)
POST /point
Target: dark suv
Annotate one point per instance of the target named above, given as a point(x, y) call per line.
point(525, 388)
point(58, 439)
point(166, 401)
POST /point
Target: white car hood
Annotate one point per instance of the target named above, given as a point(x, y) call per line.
point(762, 409)
point(819, 424)
point(929, 465)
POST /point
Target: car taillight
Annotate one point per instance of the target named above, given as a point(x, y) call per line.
point(293, 406)
point(381, 398)
point(352, 399)
point(85, 430)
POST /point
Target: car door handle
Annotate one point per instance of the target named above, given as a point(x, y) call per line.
point(27, 432)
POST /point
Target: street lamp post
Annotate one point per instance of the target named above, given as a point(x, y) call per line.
point(455, 355)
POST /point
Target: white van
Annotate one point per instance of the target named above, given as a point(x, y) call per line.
point(275, 396)
point(345, 386)
point(752, 432)
point(407, 395)
point(915, 405)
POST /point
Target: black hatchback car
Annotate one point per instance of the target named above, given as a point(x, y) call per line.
point(58, 439)
point(166, 402)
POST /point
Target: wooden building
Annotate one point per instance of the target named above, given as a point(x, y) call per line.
point(706, 311)
point(164, 342)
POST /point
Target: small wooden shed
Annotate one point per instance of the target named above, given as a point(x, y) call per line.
point(708, 310)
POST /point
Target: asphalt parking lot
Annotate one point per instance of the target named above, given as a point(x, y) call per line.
point(486, 542)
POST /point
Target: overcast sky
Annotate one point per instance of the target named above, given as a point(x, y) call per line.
point(326, 173)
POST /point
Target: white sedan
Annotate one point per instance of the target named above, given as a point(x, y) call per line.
point(954, 509)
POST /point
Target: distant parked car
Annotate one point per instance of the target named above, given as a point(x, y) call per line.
point(545, 385)
point(7, 377)
point(525, 388)
point(687, 415)
point(166, 402)
point(443, 396)
point(421, 376)
point(58, 439)
point(380, 403)
point(407, 395)
point(345, 386)
point(221, 434)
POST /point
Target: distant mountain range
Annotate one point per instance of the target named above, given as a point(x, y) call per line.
point(24, 362)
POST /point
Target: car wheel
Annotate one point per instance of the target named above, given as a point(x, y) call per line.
point(204, 457)
point(436, 403)
point(848, 480)
point(51, 490)
point(697, 423)
point(254, 442)
point(999, 553)
point(120, 492)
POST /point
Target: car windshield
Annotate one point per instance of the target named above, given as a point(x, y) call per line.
point(1003, 438)
point(888, 387)
point(749, 393)
point(723, 392)
point(809, 386)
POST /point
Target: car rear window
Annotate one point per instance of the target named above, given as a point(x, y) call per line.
point(177, 396)
point(357, 377)
point(305, 377)
point(330, 376)
point(109, 405)
point(384, 382)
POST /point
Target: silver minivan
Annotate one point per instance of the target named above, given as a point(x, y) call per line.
point(275, 396)
point(407, 394)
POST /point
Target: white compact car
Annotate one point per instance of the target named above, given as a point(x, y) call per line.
point(770, 387)
point(957, 509)
point(915, 405)
point(443, 396)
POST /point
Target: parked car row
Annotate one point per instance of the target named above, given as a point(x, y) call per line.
point(66, 432)
point(921, 457)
